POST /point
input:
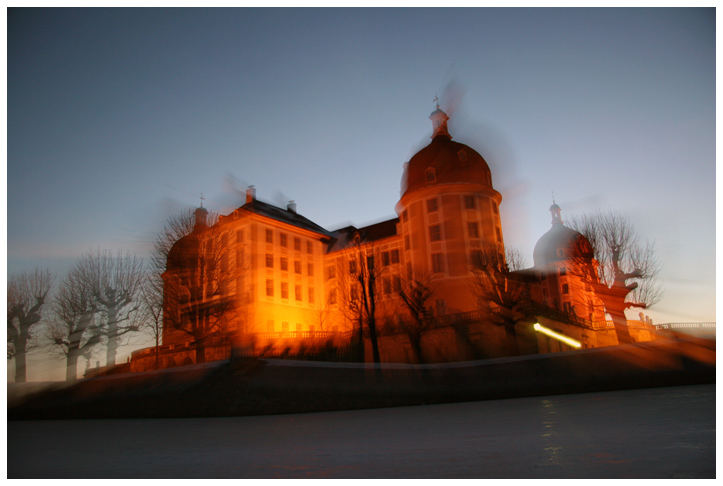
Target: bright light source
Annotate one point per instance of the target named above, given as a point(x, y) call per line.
point(556, 335)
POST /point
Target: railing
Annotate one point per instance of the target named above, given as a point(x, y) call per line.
point(314, 335)
point(686, 325)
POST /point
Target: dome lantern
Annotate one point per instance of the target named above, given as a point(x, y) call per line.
point(439, 122)
point(555, 212)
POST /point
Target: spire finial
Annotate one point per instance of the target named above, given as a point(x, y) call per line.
point(202, 199)
point(436, 101)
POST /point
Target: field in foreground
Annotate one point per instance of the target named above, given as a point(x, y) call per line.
point(257, 387)
point(665, 432)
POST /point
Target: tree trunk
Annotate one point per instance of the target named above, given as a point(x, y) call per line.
point(415, 340)
point(200, 353)
point(112, 338)
point(621, 328)
point(71, 372)
point(373, 339)
point(20, 367)
point(512, 346)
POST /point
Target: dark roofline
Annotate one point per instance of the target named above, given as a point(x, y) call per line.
point(283, 215)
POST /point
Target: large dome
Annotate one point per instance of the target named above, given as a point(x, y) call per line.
point(561, 243)
point(444, 161)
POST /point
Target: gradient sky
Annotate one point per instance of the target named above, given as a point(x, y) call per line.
point(118, 117)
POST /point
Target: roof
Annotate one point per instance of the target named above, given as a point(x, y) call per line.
point(283, 215)
point(344, 237)
point(561, 243)
point(445, 161)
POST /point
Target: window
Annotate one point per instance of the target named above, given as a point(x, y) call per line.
point(435, 232)
point(387, 285)
point(284, 326)
point(441, 307)
point(469, 202)
point(309, 248)
point(406, 242)
point(269, 236)
point(284, 290)
point(239, 236)
point(269, 287)
point(432, 205)
point(297, 244)
point(409, 271)
point(370, 262)
point(430, 174)
point(395, 256)
point(437, 263)
point(310, 269)
point(269, 260)
point(563, 270)
point(473, 230)
point(282, 239)
point(311, 295)
point(352, 267)
point(385, 258)
point(332, 297)
point(284, 263)
point(565, 289)
point(330, 272)
point(396, 283)
point(297, 267)
point(476, 259)
point(404, 216)
point(297, 292)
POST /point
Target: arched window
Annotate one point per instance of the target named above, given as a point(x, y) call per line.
point(430, 174)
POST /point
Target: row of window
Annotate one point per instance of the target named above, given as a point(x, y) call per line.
point(284, 265)
point(284, 241)
point(284, 291)
point(285, 327)
point(435, 233)
point(388, 258)
point(470, 202)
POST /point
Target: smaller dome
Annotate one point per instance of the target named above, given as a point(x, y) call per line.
point(561, 243)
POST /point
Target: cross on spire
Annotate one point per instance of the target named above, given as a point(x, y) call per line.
point(202, 199)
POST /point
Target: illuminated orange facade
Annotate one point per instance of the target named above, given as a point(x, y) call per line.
point(265, 279)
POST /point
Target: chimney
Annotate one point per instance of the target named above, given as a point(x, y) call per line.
point(291, 206)
point(250, 194)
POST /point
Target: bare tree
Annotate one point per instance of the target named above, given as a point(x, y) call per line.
point(628, 268)
point(151, 297)
point(515, 259)
point(360, 292)
point(115, 282)
point(27, 294)
point(74, 330)
point(197, 296)
point(501, 294)
point(416, 294)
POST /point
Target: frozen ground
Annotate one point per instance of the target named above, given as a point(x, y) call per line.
point(658, 432)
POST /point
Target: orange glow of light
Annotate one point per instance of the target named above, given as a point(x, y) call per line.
point(556, 335)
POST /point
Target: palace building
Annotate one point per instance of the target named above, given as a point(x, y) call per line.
point(430, 285)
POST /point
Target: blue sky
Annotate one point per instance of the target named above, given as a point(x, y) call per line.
point(117, 117)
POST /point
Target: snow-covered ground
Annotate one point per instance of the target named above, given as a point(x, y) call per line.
point(659, 432)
